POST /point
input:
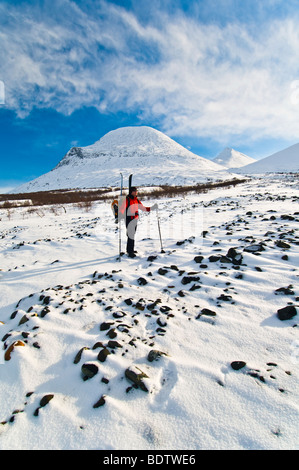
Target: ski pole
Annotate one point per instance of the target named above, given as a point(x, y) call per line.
point(162, 251)
point(119, 218)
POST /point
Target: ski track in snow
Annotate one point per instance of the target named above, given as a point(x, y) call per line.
point(69, 302)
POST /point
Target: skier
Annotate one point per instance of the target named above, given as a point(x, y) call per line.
point(130, 207)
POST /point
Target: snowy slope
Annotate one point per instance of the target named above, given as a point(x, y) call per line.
point(75, 309)
point(286, 160)
point(153, 157)
point(231, 158)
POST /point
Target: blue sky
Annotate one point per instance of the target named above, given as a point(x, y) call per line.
point(209, 74)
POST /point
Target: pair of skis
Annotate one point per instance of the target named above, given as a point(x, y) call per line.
point(120, 203)
point(119, 217)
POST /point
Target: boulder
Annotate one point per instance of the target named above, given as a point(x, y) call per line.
point(287, 312)
point(137, 376)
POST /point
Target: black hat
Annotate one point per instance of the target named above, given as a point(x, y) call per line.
point(132, 188)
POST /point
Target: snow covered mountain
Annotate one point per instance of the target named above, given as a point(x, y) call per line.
point(286, 160)
point(231, 158)
point(150, 155)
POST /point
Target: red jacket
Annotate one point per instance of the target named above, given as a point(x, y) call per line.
point(131, 205)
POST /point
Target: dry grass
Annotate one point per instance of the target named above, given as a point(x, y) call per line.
point(86, 197)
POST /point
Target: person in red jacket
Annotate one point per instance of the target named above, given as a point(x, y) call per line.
point(132, 206)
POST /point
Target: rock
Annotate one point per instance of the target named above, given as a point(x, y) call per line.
point(114, 344)
point(118, 314)
point(7, 355)
point(97, 345)
point(224, 297)
point(154, 354)
point(112, 333)
point(254, 248)
point(141, 281)
point(139, 306)
point(137, 376)
point(287, 312)
point(206, 311)
point(161, 322)
point(152, 258)
point(237, 365)
point(165, 309)
point(187, 279)
point(23, 320)
point(285, 290)
point(214, 258)
point(100, 402)
point(44, 312)
point(282, 244)
point(46, 300)
point(45, 400)
point(225, 259)
point(102, 356)
point(105, 326)
point(198, 259)
point(89, 370)
point(236, 257)
point(79, 354)
point(162, 271)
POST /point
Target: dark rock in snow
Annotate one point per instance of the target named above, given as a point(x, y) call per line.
point(237, 365)
point(287, 312)
point(236, 257)
point(198, 259)
point(105, 326)
point(285, 290)
point(207, 312)
point(102, 356)
point(254, 248)
point(282, 244)
point(154, 354)
point(152, 258)
point(188, 279)
point(89, 370)
point(141, 281)
point(79, 354)
point(162, 271)
point(214, 258)
point(100, 402)
point(135, 375)
point(45, 400)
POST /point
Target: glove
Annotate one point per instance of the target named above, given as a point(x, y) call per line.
point(154, 207)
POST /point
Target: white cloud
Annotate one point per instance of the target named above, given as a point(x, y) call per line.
point(195, 79)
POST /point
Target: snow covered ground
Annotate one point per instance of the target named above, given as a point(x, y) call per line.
point(77, 325)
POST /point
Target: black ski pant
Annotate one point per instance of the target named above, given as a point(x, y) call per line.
point(131, 231)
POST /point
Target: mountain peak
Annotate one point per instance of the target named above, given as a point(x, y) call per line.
point(127, 142)
point(230, 158)
point(153, 158)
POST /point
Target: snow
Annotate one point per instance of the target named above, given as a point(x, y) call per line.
point(231, 158)
point(286, 160)
point(66, 260)
point(153, 157)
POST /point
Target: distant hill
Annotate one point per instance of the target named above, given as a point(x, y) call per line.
point(286, 160)
point(231, 158)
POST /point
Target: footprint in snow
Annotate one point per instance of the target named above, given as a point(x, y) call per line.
point(166, 379)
